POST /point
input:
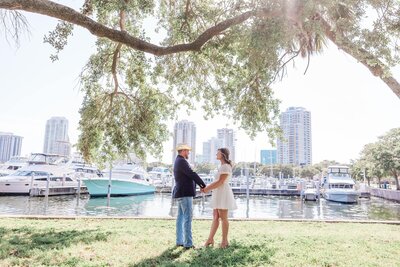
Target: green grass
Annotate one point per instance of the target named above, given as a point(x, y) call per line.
point(136, 242)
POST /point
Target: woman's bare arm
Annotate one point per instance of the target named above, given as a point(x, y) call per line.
point(216, 184)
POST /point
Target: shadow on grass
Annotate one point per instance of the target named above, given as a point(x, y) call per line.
point(236, 254)
point(21, 242)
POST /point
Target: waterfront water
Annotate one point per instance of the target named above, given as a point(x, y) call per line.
point(161, 205)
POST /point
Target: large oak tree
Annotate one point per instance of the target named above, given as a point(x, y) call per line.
point(223, 54)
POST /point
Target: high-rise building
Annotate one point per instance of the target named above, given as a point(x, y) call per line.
point(296, 147)
point(56, 140)
point(206, 152)
point(268, 156)
point(185, 133)
point(210, 150)
point(227, 137)
point(10, 146)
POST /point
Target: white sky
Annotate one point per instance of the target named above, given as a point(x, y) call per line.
point(349, 107)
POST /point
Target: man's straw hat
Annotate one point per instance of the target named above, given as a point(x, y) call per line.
point(183, 147)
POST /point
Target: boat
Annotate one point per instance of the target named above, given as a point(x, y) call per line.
point(41, 169)
point(47, 174)
point(13, 165)
point(310, 193)
point(161, 176)
point(338, 185)
point(123, 180)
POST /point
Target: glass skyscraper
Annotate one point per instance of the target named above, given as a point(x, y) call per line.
point(268, 157)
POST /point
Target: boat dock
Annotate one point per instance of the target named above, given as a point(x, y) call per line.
point(252, 191)
point(56, 191)
point(261, 191)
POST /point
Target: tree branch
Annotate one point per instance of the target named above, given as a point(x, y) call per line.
point(362, 55)
point(122, 16)
point(14, 23)
point(68, 14)
point(114, 66)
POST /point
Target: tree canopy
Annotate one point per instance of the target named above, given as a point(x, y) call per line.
point(223, 55)
point(382, 158)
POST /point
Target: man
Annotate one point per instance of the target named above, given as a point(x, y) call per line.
point(184, 191)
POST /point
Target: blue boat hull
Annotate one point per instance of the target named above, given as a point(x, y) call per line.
point(99, 187)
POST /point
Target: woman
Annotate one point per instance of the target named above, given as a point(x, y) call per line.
point(222, 198)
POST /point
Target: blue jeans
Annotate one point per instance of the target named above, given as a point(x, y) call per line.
point(184, 221)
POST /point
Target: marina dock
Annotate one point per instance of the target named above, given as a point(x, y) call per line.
point(57, 191)
point(252, 191)
point(273, 192)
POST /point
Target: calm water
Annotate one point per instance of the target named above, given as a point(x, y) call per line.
point(161, 205)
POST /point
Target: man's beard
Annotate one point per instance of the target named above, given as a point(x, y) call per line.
point(186, 156)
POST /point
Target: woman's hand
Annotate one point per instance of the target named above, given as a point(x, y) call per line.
point(205, 189)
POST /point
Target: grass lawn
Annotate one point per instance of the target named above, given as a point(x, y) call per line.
point(146, 242)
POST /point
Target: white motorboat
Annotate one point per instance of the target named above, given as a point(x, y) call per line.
point(23, 181)
point(161, 176)
point(62, 176)
point(13, 165)
point(310, 193)
point(338, 185)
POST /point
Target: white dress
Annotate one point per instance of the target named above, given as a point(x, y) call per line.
point(222, 197)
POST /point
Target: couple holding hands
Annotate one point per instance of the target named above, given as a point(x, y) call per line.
point(222, 198)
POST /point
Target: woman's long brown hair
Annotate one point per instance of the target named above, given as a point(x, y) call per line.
point(225, 154)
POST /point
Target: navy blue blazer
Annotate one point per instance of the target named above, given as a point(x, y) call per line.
point(185, 179)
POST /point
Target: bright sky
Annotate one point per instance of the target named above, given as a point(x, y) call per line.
point(349, 107)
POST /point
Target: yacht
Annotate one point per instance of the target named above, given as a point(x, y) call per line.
point(123, 180)
point(161, 176)
point(338, 185)
point(39, 168)
point(12, 165)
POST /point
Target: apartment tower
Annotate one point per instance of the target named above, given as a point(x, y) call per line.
point(56, 140)
point(10, 146)
point(185, 133)
point(296, 146)
point(227, 137)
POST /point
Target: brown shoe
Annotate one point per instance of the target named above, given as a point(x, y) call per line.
point(191, 247)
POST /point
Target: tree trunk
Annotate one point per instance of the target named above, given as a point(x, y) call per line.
point(396, 178)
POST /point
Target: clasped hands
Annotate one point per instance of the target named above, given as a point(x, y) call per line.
point(204, 190)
